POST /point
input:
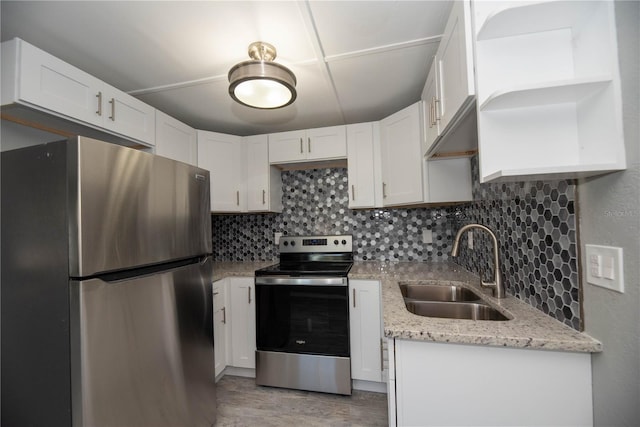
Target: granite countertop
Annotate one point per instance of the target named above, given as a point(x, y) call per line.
point(222, 269)
point(528, 327)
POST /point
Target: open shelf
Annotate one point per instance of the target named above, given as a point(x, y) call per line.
point(517, 18)
point(556, 92)
point(548, 88)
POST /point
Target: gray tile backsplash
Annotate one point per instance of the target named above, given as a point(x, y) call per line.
point(535, 223)
point(316, 202)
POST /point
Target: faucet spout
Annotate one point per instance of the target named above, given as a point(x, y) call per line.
point(497, 285)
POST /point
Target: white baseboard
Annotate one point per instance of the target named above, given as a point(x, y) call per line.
point(239, 372)
point(369, 386)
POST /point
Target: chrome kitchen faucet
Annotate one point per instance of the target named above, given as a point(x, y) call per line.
point(497, 285)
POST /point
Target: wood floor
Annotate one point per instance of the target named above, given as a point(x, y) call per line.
point(242, 403)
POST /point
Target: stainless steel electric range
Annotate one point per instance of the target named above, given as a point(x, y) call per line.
point(302, 315)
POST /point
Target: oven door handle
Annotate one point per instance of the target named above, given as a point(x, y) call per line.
point(303, 281)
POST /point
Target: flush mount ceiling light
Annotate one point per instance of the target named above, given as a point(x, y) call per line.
point(261, 83)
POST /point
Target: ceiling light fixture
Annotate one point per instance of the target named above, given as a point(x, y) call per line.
point(260, 82)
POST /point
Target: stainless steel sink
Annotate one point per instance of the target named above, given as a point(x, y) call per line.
point(455, 310)
point(437, 293)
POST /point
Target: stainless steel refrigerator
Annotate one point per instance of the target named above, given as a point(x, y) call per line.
point(106, 288)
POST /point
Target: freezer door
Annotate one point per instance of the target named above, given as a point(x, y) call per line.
point(130, 208)
point(142, 350)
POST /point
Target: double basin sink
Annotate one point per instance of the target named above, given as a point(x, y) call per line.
point(447, 301)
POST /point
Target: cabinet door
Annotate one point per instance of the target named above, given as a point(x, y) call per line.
point(431, 120)
point(454, 60)
point(243, 322)
point(50, 83)
point(360, 162)
point(220, 326)
point(326, 143)
point(175, 140)
point(128, 116)
point(222, 155)
point(264, 182)
point(287, 147)
point(365, 322)
point(401, 157)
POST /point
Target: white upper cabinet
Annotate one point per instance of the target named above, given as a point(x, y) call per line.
point(224, 156)
point(128, 116)
point(329, 143)
point(449, 91)
point(409, 179)
point(33, 78)
point(361, 163)
point(454, 59)
point(549, 104)
point(264, 182)
point(175, 139)
point(430, 99)
point(401, 158)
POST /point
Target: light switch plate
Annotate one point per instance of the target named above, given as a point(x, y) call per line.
point(604, 267)
point(427, 236)
point(276, 238)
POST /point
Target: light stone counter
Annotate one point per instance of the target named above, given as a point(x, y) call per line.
point(222, 269)
point(528, 327)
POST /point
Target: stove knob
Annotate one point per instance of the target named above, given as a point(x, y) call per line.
point(293, 243)
point(335, 242)
point(344, 242)
point(286, 243)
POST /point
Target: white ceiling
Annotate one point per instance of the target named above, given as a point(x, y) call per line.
point(355, 61)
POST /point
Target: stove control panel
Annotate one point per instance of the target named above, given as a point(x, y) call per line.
point(306, 244)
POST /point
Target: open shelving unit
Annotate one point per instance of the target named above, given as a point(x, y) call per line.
point(548, 90)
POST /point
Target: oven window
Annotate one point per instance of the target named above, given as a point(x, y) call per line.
point(303, 319)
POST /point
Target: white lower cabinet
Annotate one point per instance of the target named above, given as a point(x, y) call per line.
point(220, 326)
point(365, 326)
point(243, 322)
point(441, 384)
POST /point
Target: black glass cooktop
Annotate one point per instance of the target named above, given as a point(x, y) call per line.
point(339, 269)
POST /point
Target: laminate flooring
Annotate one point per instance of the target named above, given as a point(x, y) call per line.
point(242, 403)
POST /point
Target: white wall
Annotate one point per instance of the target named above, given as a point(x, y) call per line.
point(609, 214)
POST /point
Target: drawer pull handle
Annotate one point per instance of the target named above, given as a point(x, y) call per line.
point(113, 109)
point(99, 111)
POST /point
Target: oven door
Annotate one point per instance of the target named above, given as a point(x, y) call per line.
point(303, 315)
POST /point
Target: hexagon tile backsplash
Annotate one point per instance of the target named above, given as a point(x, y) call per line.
point(535, 224)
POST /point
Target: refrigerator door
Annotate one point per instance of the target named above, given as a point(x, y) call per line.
point(130, 208)
point(142, 350)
